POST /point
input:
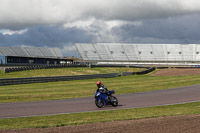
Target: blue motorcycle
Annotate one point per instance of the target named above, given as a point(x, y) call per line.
point(101, 99)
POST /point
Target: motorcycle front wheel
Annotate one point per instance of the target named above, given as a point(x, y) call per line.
point(114, 101)
point(99, 103)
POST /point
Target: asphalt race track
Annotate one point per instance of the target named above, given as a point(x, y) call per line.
point(134, 100)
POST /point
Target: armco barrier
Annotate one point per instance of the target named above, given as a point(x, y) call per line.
point(138, 73)
point(24, 68)
point(14, 81)
point(127, 73)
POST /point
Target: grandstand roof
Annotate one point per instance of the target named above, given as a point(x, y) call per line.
point(40, 52)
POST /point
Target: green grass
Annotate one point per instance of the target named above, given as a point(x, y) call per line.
point(101, 116)
point(1, 71)
point(86, 88)
point(67, 71)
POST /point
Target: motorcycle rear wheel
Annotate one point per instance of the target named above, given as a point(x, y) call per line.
point(98, 103)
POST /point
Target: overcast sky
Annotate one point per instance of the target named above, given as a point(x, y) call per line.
point(61, 23)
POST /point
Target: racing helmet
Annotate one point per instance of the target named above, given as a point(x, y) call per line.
point(98, 83)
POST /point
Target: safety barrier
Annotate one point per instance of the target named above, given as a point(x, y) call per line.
point(14, 81)
point(24, 68)
point(138, 73)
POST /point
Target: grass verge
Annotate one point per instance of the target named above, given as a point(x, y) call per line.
point(86, 88)
point(101, 116)
point(67, 71)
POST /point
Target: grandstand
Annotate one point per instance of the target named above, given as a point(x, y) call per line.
point(30, 55)
point(119, 52)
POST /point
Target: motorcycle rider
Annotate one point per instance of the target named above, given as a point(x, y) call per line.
point(102, 88)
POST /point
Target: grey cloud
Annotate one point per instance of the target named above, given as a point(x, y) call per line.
point(21, 14)
point(142, 9)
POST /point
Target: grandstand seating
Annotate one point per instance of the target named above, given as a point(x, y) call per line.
point(131, 52)
point(82, 52)
point(90, 52)
point(187, 52)
point(197, 52)
point(159, 52)
point(56, 52)
point(117, 52)
point(31, 52)
point(174, 52)
point(46, 52)
point(139, 52)
point(19, 51)
point(103, 52)
point(145, 52)
point(7, 50)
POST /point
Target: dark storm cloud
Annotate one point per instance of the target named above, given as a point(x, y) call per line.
point(52, 36)
point(183, 29)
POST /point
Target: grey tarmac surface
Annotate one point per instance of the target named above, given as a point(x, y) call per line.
point(135, 100)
